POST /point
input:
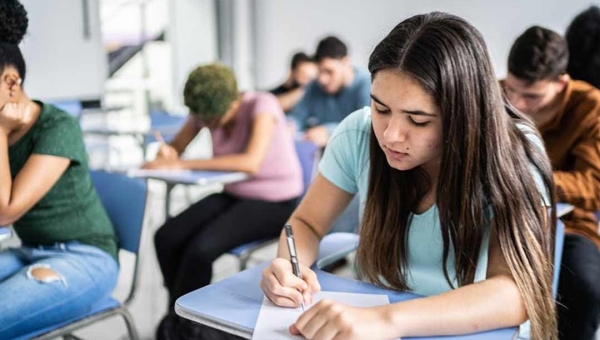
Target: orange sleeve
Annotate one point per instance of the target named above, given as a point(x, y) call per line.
point(581, 186)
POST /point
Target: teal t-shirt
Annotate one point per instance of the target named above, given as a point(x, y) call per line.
point(346, 165)
point(71, 210)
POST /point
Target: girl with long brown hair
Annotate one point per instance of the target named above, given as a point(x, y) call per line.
point(455, 188)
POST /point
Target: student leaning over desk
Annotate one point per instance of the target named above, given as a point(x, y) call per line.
point(456, 188)
point(67, 260)
point(248, 134)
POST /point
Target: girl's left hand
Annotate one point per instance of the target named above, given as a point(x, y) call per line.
point(328, 320)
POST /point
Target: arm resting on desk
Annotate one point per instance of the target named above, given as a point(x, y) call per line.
point(250, 161)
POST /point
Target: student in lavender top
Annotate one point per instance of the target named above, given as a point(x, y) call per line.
point(249, 134)
point(67, 260)
point(339, 90)
point(303, 70)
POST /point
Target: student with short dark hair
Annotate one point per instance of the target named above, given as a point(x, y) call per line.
point(249, 134)
point(583, 38)
point(567, 114)
point(455, 188)
point(339, 89)
point(303, 70)
point(67, 260)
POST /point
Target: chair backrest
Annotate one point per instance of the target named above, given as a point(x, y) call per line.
point(124, 199)
point(308, 154)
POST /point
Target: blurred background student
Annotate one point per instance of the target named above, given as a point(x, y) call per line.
point(303, 70)
point(567, 114)
point(68, 257)
point(249, 134)
point(340, 89)
point(583, 38)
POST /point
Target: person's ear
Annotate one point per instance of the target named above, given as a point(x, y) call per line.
point(13, 81)
point(562, 82)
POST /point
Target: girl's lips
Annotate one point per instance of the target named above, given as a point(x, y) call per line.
point(395, 154)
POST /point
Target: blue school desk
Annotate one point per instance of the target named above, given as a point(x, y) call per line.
point(173, 178)
point(232, 305)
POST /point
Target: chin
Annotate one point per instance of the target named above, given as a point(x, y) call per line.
point(399, 165)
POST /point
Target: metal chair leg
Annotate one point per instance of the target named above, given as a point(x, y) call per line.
point(133, 334)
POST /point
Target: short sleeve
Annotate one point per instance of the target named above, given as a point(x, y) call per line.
point(266, 103)
point(60, 136)
point(340, 163)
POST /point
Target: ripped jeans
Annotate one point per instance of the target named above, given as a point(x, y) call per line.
point(45, 285)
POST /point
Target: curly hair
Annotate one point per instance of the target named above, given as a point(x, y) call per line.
point(538, 54)
point(209, 91)
point(583, 38)
point(13, 26)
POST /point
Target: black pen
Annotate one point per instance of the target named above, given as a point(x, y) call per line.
point(293, 256)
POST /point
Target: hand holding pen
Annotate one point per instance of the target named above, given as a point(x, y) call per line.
point(291, 243)
point(286, 286)
point(166, 151)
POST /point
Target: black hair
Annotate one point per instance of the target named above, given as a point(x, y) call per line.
point(583, 38)
point(299, 58)
point(13, 26)
point(330, 47)
point(538, 54)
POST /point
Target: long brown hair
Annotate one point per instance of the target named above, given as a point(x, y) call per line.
point(485, 167)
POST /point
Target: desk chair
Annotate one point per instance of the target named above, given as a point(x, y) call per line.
point(559, 241)
point(125, 202)
point(308, 154)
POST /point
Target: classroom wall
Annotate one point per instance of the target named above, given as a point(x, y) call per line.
point(65, 58)
point(193, 38)
point(284, 26)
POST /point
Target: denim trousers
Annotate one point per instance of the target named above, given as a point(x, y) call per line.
point(76, 276)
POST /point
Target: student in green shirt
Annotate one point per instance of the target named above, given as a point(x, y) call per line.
point(68, 257)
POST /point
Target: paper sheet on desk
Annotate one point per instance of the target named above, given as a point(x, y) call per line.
point(273, 321)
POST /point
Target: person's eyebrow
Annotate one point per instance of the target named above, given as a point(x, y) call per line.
point(410, 112)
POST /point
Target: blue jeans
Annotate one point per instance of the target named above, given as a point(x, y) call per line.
point(84, 275)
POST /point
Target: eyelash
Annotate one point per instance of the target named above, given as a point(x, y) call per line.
point(383, 112)
point(416, 123)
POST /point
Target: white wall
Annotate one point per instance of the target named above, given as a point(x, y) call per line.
point(193, 37)
point(61, 62)
point(284, 26)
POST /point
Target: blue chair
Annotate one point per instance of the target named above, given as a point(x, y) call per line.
point(335, 246)
point(559, 241)
point(125, 202)
point(308, 154)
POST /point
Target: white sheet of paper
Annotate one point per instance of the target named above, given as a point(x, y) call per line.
point(273, 321)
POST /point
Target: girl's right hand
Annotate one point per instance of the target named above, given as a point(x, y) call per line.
point(284, 288)
point(167, 152)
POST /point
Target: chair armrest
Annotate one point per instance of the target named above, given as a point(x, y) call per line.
point(335, 246)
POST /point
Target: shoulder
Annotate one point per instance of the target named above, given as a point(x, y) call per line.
point(584, 98)
point(53, 118)
point(357, 123)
